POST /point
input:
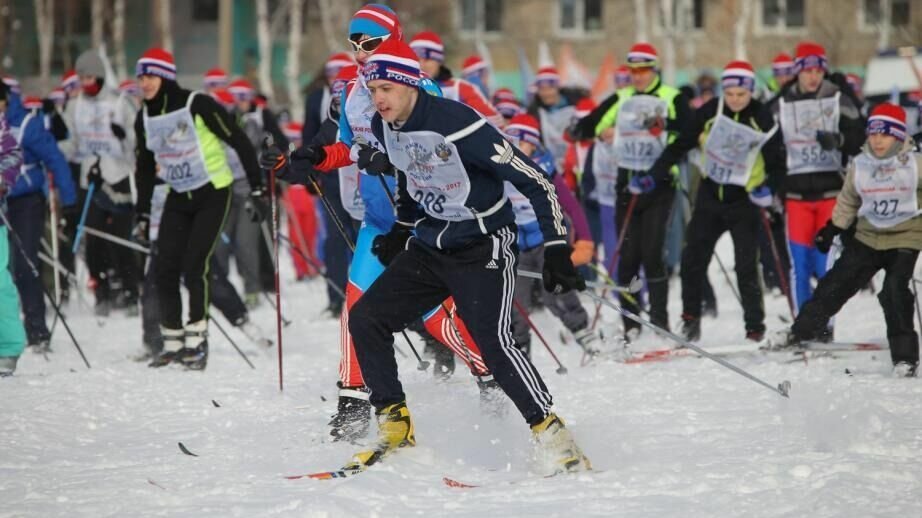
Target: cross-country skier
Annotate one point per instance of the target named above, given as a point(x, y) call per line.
point(451, 166)
point(180, 137)
point(882, 191)
point(12, 333)
point(554, 107)
point(738, 152)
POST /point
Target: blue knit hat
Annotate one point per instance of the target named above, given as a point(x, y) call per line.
point(375, 20)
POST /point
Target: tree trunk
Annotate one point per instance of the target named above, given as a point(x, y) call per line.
point(118, 39)
point(741, 29)
point(44, 26)
point(97, 19)
point(328, 24)
point(166, 25)
point(293, 70)
point(264, 38)
point(884, 25)
point(640, 20)
point(667, 15)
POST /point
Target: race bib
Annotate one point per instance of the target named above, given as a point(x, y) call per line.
point(888, 189)
point(636, 147)
point(605, 169)
point(93, 125)
point(172, 139)
point(731, 149)
point(800, 120)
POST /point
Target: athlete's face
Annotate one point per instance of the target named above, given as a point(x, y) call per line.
point(810, 79)
point(642, 78)
point(526, 147)
point(430, 66)
point(783, 79)
point(549, 94)
point(880, 143)
point(737, 98)
point(149, 86)
point(393, 101)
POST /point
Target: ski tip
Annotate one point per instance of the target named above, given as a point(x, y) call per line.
point(323, 398)
point(450, 482)
point(215, 403)
point(182, 448)
point(784, 388)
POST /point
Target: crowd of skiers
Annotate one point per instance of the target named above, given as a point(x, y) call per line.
point(432, 193)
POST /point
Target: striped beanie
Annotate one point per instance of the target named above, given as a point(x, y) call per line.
point(129, 87)
point(394, 61)
point(809, 55)
point(69, 81)
point(12, 84)
point(428, 45)
point(32, 102)
point(524, 127)
point(242, 90)
point(783, 65)
point(342, 78)
point(224, 98)
point(854, 81)
point(738, 73)
point(584, 107)
point(642, 55)
point(472, 65)
point(336, 62)
point(888, 119)
point(375, 20)
point(547, 76)
point(156, 62)
point(622, 77)
point(292, 131)
point(215, 78)
point(58, 96)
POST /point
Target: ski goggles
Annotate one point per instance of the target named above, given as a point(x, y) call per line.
point(368, 45)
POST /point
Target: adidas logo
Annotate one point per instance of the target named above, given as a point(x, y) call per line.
point(504, 153)
point(492, 265)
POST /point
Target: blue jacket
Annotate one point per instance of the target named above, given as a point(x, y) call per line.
point(39, 149)
point(488, 160)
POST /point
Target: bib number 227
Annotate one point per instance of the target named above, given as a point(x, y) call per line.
point(885, 208)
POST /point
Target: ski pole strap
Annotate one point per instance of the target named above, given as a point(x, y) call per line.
point(83, 213)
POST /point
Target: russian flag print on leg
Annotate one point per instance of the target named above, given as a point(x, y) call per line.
point(804, 220)
point(443, 328)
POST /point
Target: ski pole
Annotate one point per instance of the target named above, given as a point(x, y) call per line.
point(635, 286)
point(229, 339)
point(53, 228)
point(83, 213)
point(275, 258)
point(782, 388)
point(782, 278)
point(560, 368)
point(57, 308)
point(622, 233)
point(117, 240)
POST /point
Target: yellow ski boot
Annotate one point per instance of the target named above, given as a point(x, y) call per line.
point(556, 448)
point(395, 430)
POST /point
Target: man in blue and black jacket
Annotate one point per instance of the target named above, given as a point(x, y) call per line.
point(450, 166)
point(26, 206)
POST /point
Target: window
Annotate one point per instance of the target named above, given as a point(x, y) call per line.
point(578, 16)
point(478, 16)
point(783, 14)
point(874, 12)
point(205, 10)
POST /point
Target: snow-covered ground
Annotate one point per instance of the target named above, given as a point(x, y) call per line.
point(680, 438)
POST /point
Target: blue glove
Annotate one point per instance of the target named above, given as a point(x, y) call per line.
point(641, 184)
point(761, 196)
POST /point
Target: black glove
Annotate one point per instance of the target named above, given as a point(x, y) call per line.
point(829, 140)
point(374, 161)
point(141, 231)
point(68, 220)
point(560, 276)
point(118, 131)
point(306, 157)
point(48, 107)
point(94, 176)
point(272, 159)
point(823, 239)
point(387, 246)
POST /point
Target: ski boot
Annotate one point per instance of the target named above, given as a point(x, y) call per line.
point(691, 328)
point(353, 414)
point(40, 342)
point(755, 335)
point(492, 397)
point(588, 340)
point(7, 365)
point(194, 356)
point(556, 448)
point(782, 340)
point(904, 370)
point(395, 431)
point(173, 341)
point(253, 332)
point(631, 333)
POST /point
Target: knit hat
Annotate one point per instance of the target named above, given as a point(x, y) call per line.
point(32, 102)
point(215, 78)
point(394, 61)
point(342, 78)
point(584, 107)
point(888, 119)
point(156, 62)
point(242, 90)
point(129, 87)
point(547, 76)
point(336, 62)
point(224, 98)
point(854, 81)
point(524, 127)
point(375, 20)
point(504, 94)
point(508, 109)
point(738, 73)
point(472, 64)
point(90, 64)
point(622, 76)
point(642, 55)
point(809, 55)
point(428, 45)
point(292, 130)
point(783, 65)
point(69, 81)
point(58, 96)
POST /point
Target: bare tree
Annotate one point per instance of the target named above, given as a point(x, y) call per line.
point(44, 26)
point(640, 20)
point(118, 38)
point(97, 19)
point(667, 21)
point(884, 26)
point(741, 28)
point(293, 69)
point(331, 15)
point(166, 25)
point(264, 37)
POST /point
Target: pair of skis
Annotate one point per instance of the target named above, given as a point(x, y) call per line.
point(671, 353)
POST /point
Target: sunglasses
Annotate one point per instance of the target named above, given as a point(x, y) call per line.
point(368, 45)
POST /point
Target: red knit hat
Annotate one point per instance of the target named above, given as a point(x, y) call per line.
point(547, 76)
point(69, 81)
point(32, 102)
point(215, 78)
point(783, 65)
point(738, 73)
point(642, 55)
point(342, 78)
point(156, 62)
point(525, 127)
point(242, 90)
point(393, 61)
point(224, 97)
point(129, 87)
point(622, 76)
point(428, 45)
point(584, 107)
point(472, 65)
point(888, 119)
point(293, 130)
point(337, 61)
point(809, 55)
